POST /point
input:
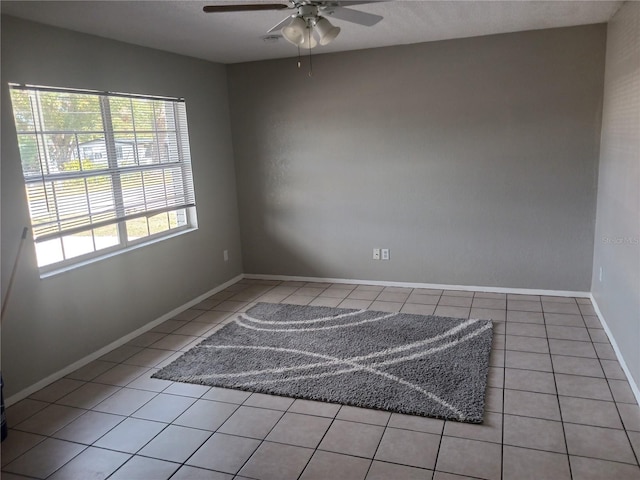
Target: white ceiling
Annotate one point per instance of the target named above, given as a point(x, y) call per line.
point(182, 27)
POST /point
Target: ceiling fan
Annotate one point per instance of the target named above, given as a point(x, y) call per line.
point(308, 25)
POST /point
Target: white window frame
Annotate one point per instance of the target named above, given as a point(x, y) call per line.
point(181, 160)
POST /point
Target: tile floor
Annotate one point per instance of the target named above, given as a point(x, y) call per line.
point(557, 406)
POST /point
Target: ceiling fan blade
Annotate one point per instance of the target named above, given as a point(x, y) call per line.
point(280, 25)
point(244, 7)
point(353, 16)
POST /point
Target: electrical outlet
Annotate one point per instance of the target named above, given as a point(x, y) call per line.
point(376, 254)
point(385, 253)
point(225, 255)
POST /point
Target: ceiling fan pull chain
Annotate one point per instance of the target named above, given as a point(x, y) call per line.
point(309, 45)
point(299, 60)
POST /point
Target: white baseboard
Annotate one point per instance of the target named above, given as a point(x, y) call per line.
point(623, 364)
point(24, 393)
point(519, 291)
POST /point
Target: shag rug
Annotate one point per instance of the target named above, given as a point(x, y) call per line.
point(412, 364)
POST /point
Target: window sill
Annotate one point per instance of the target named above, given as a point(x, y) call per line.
point(113, 253)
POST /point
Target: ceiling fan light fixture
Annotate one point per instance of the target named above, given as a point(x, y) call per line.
point(326, 32)
point(295, 31)
point(309, 40)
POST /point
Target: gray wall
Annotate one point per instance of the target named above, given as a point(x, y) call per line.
point(54, 322)
point(473, 160)
point(617, 237)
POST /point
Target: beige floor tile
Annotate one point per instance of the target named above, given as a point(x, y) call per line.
point(175, 443)
point(488, 314)
point(534, 433)
point(50, 419)
point(352, 438)
point(145, 382)
point(94, 463)
point(561, 307)
point(206, 415)
point(379, 306)
point(120, 375)
point(597, 442)
point(524, 305)
point(449, 301)
point(130, 435)
point(453, 312)
point(149, 357)
point(300, 430)
point(388, 471)
point(530, 404)
point(394, 297)
point(358, 294)
point(622, 392)
point(89, 427)
point(585, 387)
point(416, 423)
point(226, 395)
point(527, 464)
point(592, 469)
point(529, 380)
point(579, 334)
point(354, 303)
point(88, 395)
point(125, 401)
point(598, 336)
point(193, 473)
point(363, 415)
point(490, 430)
point(326, 465)
point(418, 309)
point(224, 453)
point(526, 329)
point(187, 389)
point(310, 407)
point(326, 301)
point(121, 353)
point(56, 390)
point(143, 468)
point(45, 458)
point(630, 416)
point(457, 293)
point(528, 361)
point(173, 342)
point(470, 457)
point(524, 317)
point(415, 449)
point(563, 319)
point(612, 370)
point(526, 344)
point(17, 443)
point(251, 422)
point(274, 461)
point(164, 408)
point(22, 410)
point(272, 402)
point(91, 370)
point(146, 339)
point(590, 412)
point(492, 303)
point(588, 367)
point(572, 348)
point(422, 299)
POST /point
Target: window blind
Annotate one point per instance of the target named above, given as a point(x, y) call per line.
point(102, 163)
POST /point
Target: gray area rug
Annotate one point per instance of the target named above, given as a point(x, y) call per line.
point(413, 364)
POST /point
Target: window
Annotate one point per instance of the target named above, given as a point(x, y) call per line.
point(102, 171)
